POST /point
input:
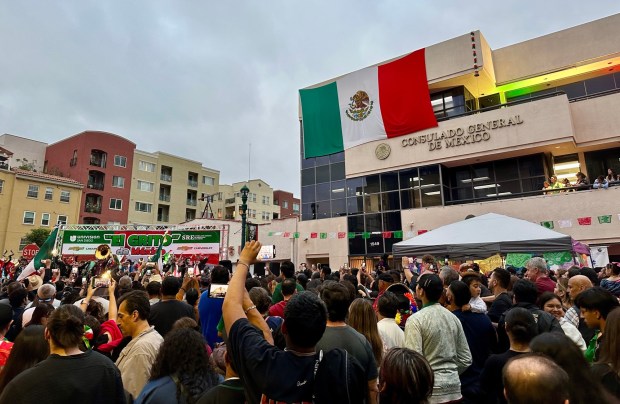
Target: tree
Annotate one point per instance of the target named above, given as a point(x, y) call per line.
point(37, 236)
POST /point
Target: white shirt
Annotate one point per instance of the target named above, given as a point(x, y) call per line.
point(391, 334)
point(573, 333)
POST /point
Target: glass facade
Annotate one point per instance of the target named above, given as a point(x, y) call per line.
point(593, 86)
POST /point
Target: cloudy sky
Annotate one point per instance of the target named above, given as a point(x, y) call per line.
point(204, 79)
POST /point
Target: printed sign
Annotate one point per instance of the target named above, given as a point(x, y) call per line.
point(143, 243)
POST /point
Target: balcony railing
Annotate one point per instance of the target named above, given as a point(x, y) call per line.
point(97, 161)
point(192, 202)
point(192, 183)
point(162, 218)
point(95, 185)
point(166, 177)
point(92, 208)
point(165, 198)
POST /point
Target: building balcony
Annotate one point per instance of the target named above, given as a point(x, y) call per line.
point(92, 208)
point(95, 185)
point(192, 183)
point(162, 218)
point(165, 177)
point(164, 198)
point(192, 202)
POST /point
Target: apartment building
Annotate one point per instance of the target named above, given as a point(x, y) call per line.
point(261, 207)
point(26, 153)
point(30, 200)
point(289, 205)
point(103, 162)
point(169, 189)
point(507, 119)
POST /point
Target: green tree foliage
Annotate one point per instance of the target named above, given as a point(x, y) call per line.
point(37, 236)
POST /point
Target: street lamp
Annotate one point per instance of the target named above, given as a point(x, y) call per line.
point(244, 207)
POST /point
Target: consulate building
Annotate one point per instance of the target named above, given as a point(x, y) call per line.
point(506, 120)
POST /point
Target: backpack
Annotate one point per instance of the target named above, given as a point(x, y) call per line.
point(339, 378)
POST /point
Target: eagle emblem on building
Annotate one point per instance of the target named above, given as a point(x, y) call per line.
point(360, 106)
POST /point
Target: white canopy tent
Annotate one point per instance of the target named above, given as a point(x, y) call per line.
point(484, 236)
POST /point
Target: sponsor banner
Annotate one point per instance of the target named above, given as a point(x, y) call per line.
point(142, 243)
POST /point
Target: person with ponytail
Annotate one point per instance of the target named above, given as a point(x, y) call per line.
point(68, 374)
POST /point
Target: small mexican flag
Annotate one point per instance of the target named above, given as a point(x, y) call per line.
point(366, 235)
point(45, 252)
point(374, 103)
point(323, 235)
point(350, 235)
point(604, 219)
point(398, 234)
point(342, 234)
point(547, 223)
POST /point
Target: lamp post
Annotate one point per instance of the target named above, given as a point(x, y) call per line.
point(244, 207)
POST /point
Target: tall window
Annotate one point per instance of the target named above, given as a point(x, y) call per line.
point(120, 161)
point(45, 219)
point(285, 204)
point(1, 186)
point(144, 207)
point(146, 166)
point(33, 191)
point(145, 186)
point(28, 217)
point(65, 196)
point(118, 182)
point(116, 204)
point(49, 193)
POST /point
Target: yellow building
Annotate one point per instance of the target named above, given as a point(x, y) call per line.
point(29, 200)
point(261, 208)
point(169, 189)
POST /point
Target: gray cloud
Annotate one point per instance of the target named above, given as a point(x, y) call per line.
point(205, 80)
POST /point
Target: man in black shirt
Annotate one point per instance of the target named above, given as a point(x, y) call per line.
point(299, 373)
point(500, 279)
point(168, 310)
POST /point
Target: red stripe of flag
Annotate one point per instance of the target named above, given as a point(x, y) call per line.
point(404, 96)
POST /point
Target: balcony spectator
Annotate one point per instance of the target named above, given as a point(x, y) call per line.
point(582, 181)
point(555, 184)
point(601, 183)
point(611, 175)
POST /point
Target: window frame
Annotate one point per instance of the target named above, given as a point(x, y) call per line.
point(122, 181)
point(149, 205)
point(49, 217)
point(122, 159)
point(68, 193)
point(115, 204)
point(141, 182)
point(143, 164)
point(34, 217)
point(48, 191)
point(36, 192)
point(62, 222)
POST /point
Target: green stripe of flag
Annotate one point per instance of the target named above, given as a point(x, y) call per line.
point(322, 128)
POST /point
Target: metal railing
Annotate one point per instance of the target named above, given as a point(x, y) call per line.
point(162, 218)
point(97, 161)
point(90, 208)
point(164, 198)
point(192, 202)
point(192, 183)
point(166, 177)
point(95, 185)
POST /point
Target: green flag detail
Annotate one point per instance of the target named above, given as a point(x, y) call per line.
point(323, 235)
point(548, 224)
point(604, 219)
point(296, 235)
point(45, 252)
point(366, 235)
point(398, 234)
point(350, 235)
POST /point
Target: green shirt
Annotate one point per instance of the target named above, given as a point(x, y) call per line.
point(277, 293)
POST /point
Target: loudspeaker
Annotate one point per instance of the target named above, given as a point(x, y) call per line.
point(259, 269)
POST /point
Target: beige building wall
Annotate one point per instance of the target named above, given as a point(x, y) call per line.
point(260, 202)
point(566, 49)
point(325, 251)
point(25, 151)
point(168, 189)
point(45, 211)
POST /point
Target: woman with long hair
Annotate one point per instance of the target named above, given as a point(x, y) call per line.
point(561, 290)
point(607, 368)
point(181, 372)
point(405, 377)
point(363, 319)
point(40, 314)
point(30, 348)
point(584, 387)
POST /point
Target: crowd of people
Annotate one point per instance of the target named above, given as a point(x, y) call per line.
point(424, 333)
point(554, 185)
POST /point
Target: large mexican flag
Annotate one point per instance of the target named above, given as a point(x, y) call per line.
point(374, 103)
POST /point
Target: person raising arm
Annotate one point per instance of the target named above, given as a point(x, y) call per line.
point(237, 303)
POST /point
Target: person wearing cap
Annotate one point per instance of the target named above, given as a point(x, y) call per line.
point(438, 335)
point(45, 294)
point(6, 318)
